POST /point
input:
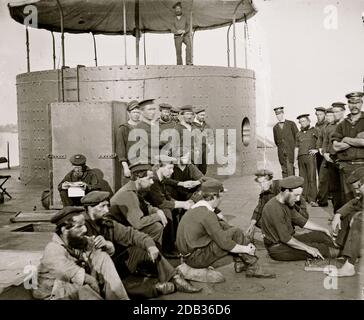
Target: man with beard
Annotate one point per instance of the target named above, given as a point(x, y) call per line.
point(284, 133)
point(348, 223)
point(338, 109)
point(128, 203)
point(204, 240)
point(188, 132)
point(159, 197)
point(174, 114)
point(71, 269)
point(83, 175)
point(122, 139)
point(181, 31)
point(305, 157)
point(207, 137)
point(185, 179)
point(348, 146)
point(322, 193)
point(269, 189)
point(278, 220)
point(140, 246)
point(167, 128)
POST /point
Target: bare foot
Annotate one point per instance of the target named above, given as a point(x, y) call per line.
point(347, 270)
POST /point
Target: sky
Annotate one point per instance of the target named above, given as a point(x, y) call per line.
point(305, 53)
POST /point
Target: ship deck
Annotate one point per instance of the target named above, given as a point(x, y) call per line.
point(18, 249)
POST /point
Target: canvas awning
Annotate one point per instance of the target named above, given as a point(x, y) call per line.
point(106, 16)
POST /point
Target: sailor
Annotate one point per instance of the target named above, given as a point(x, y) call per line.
point(122, 139)
point(140, 246)
point(181, 30)
point(147, 147)
point(284, 133)
point(347, 224)
point(81, 173)
point(269, 189)
point(305, 157)
point(128, 204)
point(207, 137)
point(348, 142)
point(338, 109)
point(72, 268)
point(278, 220)
point(204, 240)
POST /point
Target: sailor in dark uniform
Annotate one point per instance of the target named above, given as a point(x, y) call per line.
point(122, 142)
point(284, 133)
point(305, 155)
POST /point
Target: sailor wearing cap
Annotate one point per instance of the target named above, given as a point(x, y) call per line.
point(187, 133)
point(278, 220)
point(347, 224)
point(264, 178)
point(140, 246)
point(207, 136)
point(144, 146)
point(333, 176)
point(175, 113)
point(181, 30)
point(122, 142)
point(159, 197)
point(348, 142)
point(305, 157)
point(86, 179)
point(129, 204)
point(186, 177)
point(203, 240)
point(269, 189)
point(284, 133)
point(321, 123)
point(71, 268)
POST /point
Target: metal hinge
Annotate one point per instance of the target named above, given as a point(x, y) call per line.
point(57, 156)
point(107, 156)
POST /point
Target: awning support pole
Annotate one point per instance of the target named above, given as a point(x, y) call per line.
point(28, 50)
point(95, 49)
point(54, 51)
point(246, 41)
point(137, 31)
point(145, 50)
point(124, 28)
point(234, 39)
point(62, 33)
point(228, 44)
point(191, 32)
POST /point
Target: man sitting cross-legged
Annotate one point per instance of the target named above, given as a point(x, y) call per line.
point(269, 189)
point(129, 203)
point(71, 269)
point(348, 221)
point(203, 239)
point(140, 246)
point(278, 220)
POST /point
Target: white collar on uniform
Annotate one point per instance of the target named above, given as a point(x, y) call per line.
point(202, 203)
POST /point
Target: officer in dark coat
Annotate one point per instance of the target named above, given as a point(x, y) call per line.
point(284, 133)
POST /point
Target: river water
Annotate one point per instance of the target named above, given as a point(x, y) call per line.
point(12, 138)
